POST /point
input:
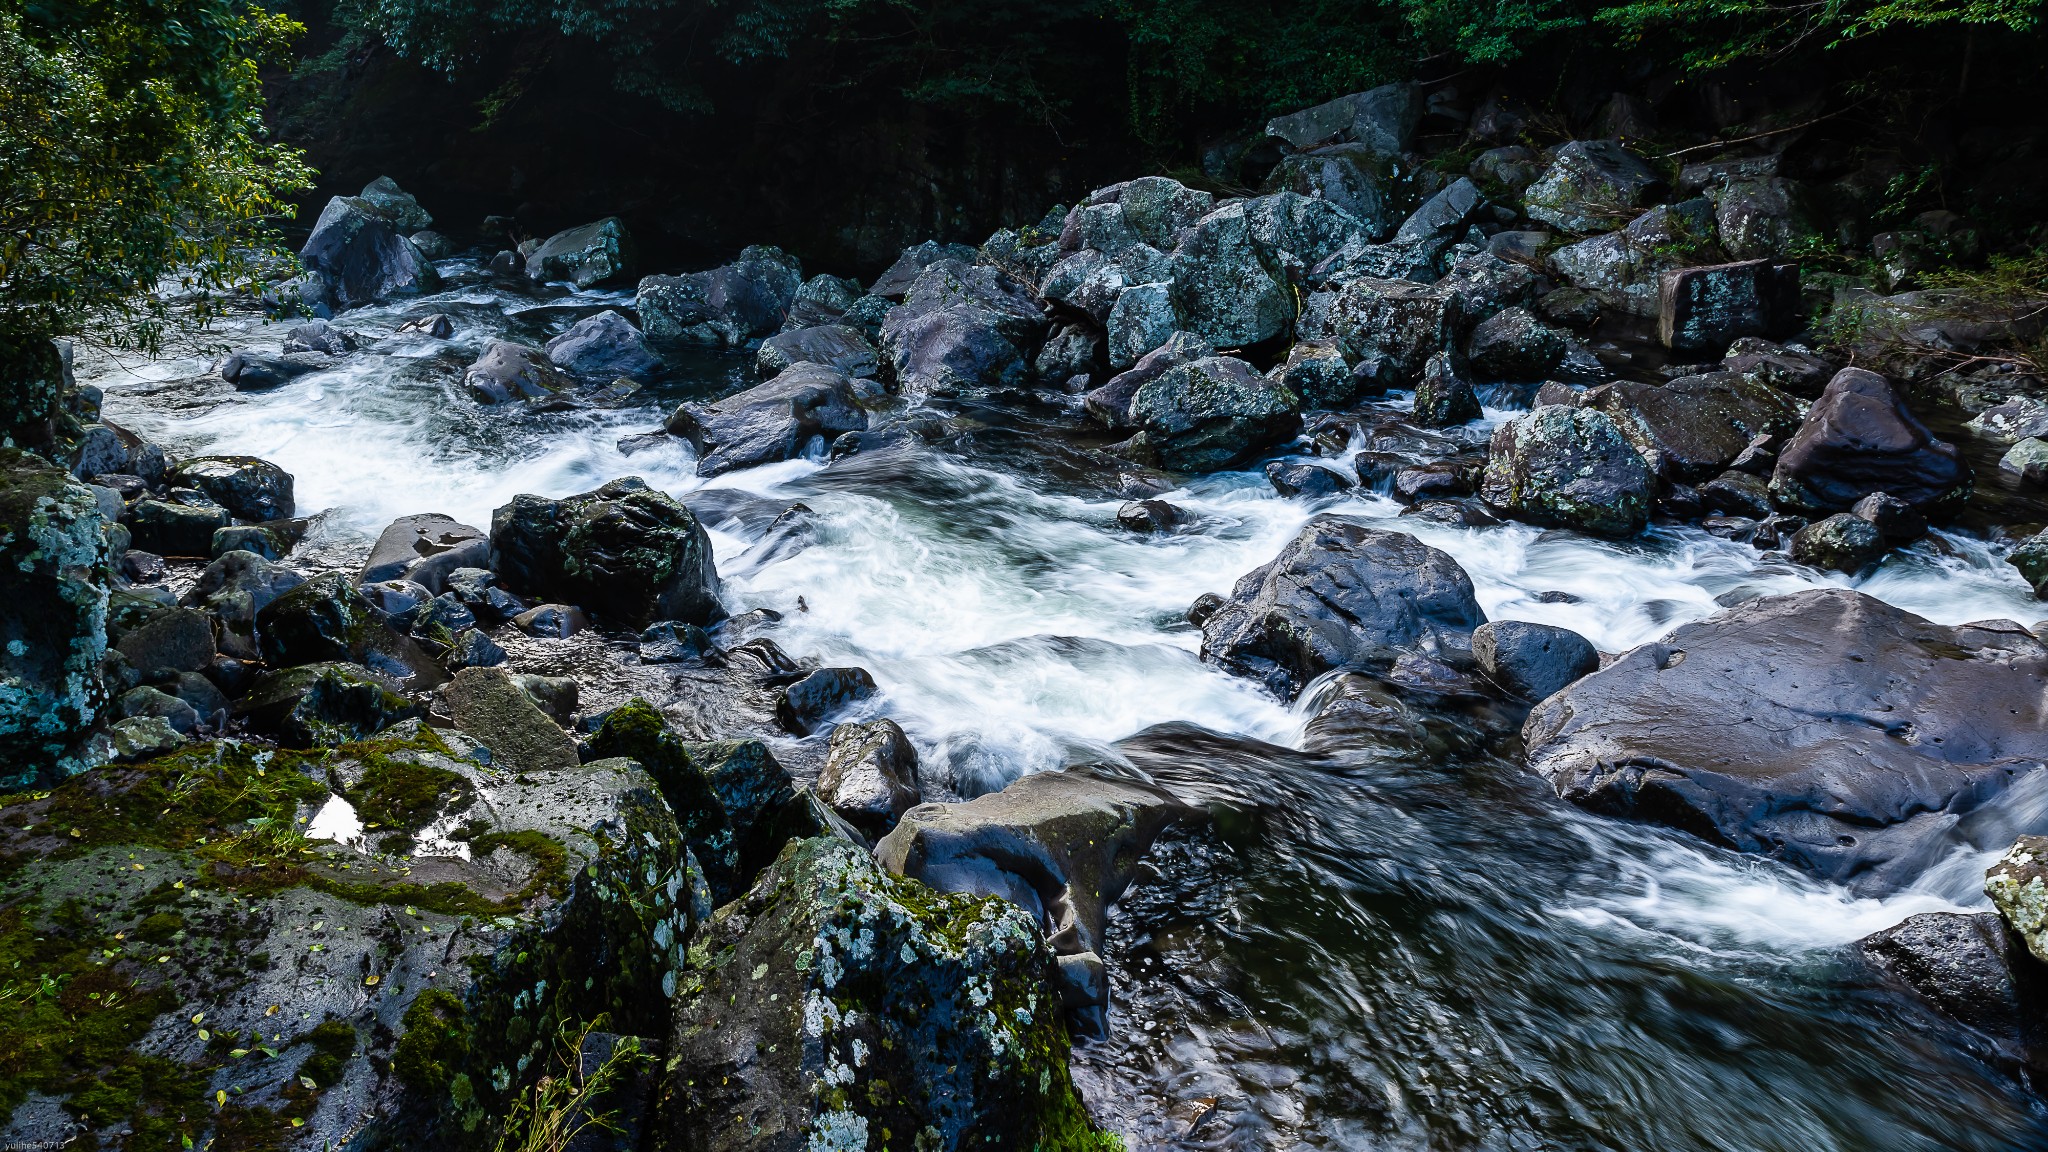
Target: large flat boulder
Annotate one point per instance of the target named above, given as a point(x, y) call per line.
point(1341, 595)
point(1693, 428)
point(1826, 729)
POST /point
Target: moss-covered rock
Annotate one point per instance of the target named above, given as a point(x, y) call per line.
point(624, 552)
point(203, 971)
point(2018, 887)
point(839, 1007)
point(1572, 467)
point(53, 586)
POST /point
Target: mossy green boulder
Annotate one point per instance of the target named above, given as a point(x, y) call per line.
point(53, 585)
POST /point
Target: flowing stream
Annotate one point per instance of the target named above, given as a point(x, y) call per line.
point(1359, 955)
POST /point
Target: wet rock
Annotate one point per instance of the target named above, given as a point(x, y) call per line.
point(604, 346)
point(1569, 308)
point(895, 282)
point(433, 245)
point(1382, 119)
point(1514, 345)
point(1897, 521)
point(1111, 403)
point(325, 619)
point(362, 257)
point(829, 963)
point(1391, 328)
point(1222, 290)
point(435, 326)
point(409, 543)
point(1694, 427)
point(1842, 542)
point(1211, 414)
point(1316, 372)
point(962, 328)
point(2027, 460)
point(1736, 493)
point(249, 488)
point(324, 705)
point(832, 345)
point(487, 706)
point(1703, 309)
point(1305, 479)
point(1624, 270)
point(870, 775)
point(1756, 730)
point(1340, 595)
point(806, 704)
point(266, 540)
point(2031, 558)
point(725, 306)
point(175, 529)
point(319, 336)
point(1569, 467)
point(1786, 369)
point(396, 204)
point(175, 640)
point(1969, 967)
point(625, 552)
point(1860, 438)
point(1148, 516)
point(1534, 661)
point(585, 255)
point(511, 371)
point(1593, 186)
point(552, 621)
point(772, 421)
point(1442, 397)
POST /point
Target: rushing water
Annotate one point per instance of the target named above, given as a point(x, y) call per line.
point(1358, 954)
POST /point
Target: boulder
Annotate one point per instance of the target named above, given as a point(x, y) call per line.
point(585, 255)
point(169, 529)
point(490, 708)
point(552, 621)
point(1826, 729)
point(2030, 556)
point(409, 546)
point(2019, 418)
point(1842, 542)
point(726, 306)
point(1211, 414)
point(1513, 345)
point(1294, 233)
point(1444, 218)
point(625, 552)
point(233, 589)
point(807, 704)
point(1142, 319)
point(1341, 596)
point(1623, 270)
point(832, 345)
point(1533, 661)
point(1791, 370)
point(1382, 119)
point(324, 705)
point(512, 371)
point(2026, 461)
point(1305, 479)
point(1316, 372)
point(1148, 516)
point(1443, 398)
point(605, 346)
point(1375, 189)
point(396, 205)
point(254, 370)
point(53, 581)
point(137, 703)
point(1072, 351)
point(960, 329)
point(1111, 403)
point(894, 283)
point(1694, 427)
point(174, 640)
point(270, 541)
point(1569, 467)
point(434, 326)
point(1736, 494)
point(820, 301)
point(1156, 209)
point(1062, 845)
point(1593, 186)
point(1761, 217)
point(318, 336)
point(1972, 969)
point(362, 257)
point(835, 1003)
point(870, 775)
point(325, 619)
point(249, 488)
point(1703, 309)
point(1391, 328)
point(1483, 284)
point(1859, 438)
point(2018, 887)
point(1221, 289)
point(772, 421)
point(1897, 521)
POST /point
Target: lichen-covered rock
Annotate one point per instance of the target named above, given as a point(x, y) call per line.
point(624, 551)
point(1391, 328)
point(396, 204)
point(1592, 186)
point(772, 421)
point(585, 255)
point(1842, 542)
point(1623, 270)
point(169, 529)
point(1442, 397)
point(2018, 888)
point(1571, 467)
point(870, 775)
point(724, 306)
point(1341, 596)
point(53, 583)
point(895, 281)
point(1375, 189)
point(2027, 460)
point(1704, 308)
point(836, 1003)
point(1761, 217)
point(397, 988)
point(2030, 556)
point(1222, 289)
point(1316, 372)
point(249, 488)
point(233, 589)
point(1694, 427)
point(832, 345)
point(1213, 413)
point(1382, 119)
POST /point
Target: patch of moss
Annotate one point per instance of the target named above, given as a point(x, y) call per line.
point(333, 1043)
point(636, 730)
point(397, 793)
point(435, 1043)
point(551, 860)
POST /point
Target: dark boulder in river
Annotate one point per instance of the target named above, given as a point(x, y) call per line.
point(1342, 596)
point(1826, 729)
point(772, 421)
point(625, 552)
point(1860, 438)
point(1970, 967)
point(363, 257)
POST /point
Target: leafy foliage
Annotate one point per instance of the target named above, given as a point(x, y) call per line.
point(132, 151)
point(1718, 32)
